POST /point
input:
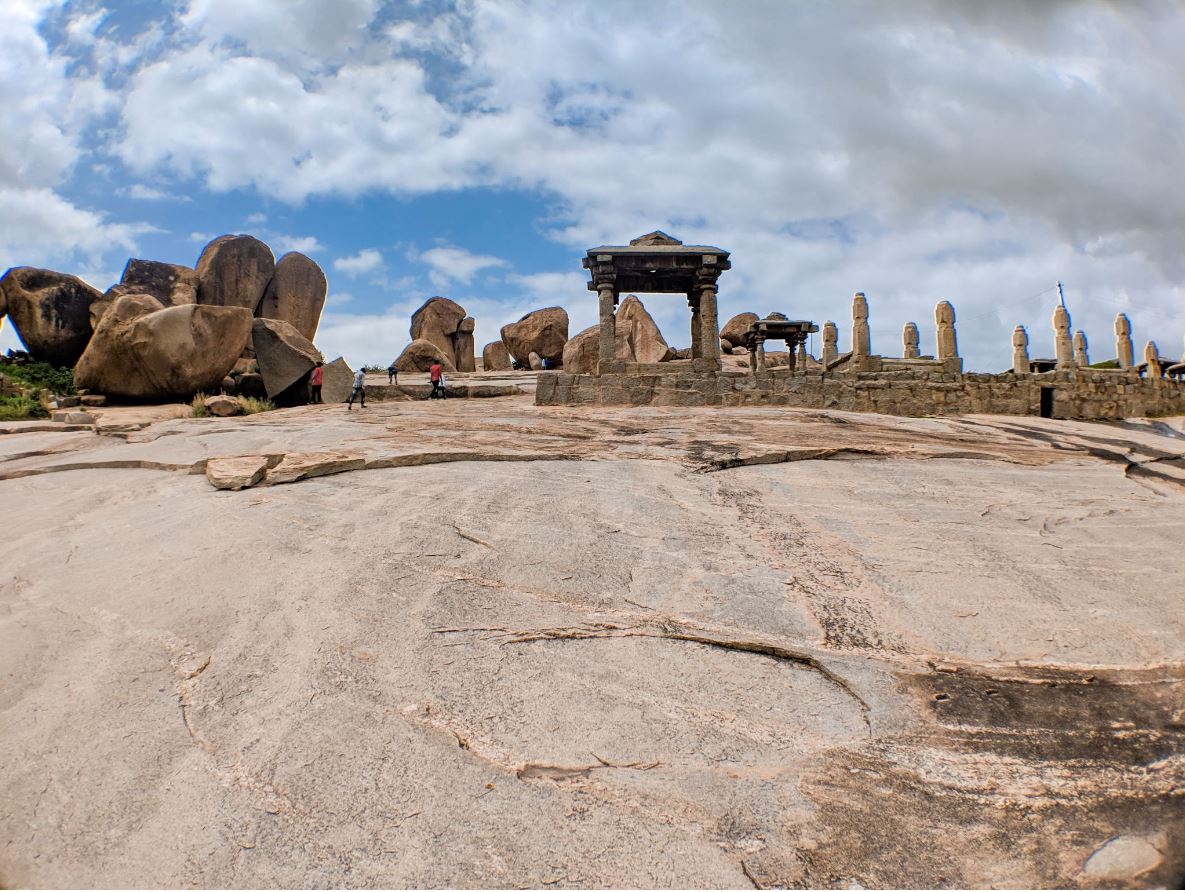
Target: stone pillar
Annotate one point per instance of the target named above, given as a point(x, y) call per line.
point(861, 341)
point(1081, 354)
point(1063, 346)
point(911, 340)
point(1020, 350)
point(830, 339)
point(608, 334)
point(753, 354)
point(710, 336)
point(800, 354)
point(1152, 357)
point(947, 340)
point(760, 353)
point(697, 328)
point(1123, 342)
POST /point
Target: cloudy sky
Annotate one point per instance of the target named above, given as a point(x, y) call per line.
point(916, 151)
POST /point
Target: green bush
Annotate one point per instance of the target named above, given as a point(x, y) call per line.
point(20, 407)
point(251, 406)
point(37, 375)
point(199, 409)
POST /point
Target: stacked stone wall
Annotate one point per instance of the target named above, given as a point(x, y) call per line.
point(1085, 394)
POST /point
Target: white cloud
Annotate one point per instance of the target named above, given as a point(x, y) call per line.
point(918, 151)
point(45, 114)
point(255, 219)
point(367, 260)
point(305, 244)
point(447, 264)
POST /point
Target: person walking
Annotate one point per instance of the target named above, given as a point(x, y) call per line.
point(358, 391)
point(436, 376)
point(316, 379)
point(392, 374)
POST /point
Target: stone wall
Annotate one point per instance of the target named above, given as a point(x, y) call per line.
point(1086, 394)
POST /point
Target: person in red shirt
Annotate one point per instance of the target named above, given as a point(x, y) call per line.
point(436, 376)
point(316, 379)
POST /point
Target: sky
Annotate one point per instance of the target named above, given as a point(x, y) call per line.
point(916, 151)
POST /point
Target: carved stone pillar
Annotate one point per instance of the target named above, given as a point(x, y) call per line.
point(608, 333)
point(800, 354)
point(1081, 356)
point(947, 341)
point(697, 329)
point(1020, 350)
point(760, 353)
point(861, 339)
point(1063, 346)
point(710, 334)
point(1152, 357)
point(830, 341)
point(1123, 342)
point(911, 340)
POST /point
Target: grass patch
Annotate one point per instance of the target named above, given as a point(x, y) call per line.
point(37, 375)
point(251, 406)
point(198, 406)
point(20, 407)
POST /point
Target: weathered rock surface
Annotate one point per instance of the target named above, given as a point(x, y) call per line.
point(495, 357)
point(634, 648)
point(645, 340)
point(222, 406)
point(582, 352)
point(734, 329)
point(466, 360)
point(144, 351)
point(171, 284)
point(50, 311)
point(437, 322)
point(542, 331)
point(419, 355)
point(251, 384)
point(285, 358)
point(295, 294)
point(337, 381)
point(234, 271)
point(236, 472)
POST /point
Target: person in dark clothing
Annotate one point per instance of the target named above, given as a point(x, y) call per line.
point(392, 374)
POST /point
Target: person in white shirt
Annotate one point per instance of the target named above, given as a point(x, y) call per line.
point(358, 391)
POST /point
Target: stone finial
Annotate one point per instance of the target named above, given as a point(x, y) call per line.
point(1152, 357)
point(948, 342)
point(910, 339)
point(1020, 350)
point(1081, 355)
point(1063, 346)
point(1124, 352)
point(861, 340)
point(830, 340)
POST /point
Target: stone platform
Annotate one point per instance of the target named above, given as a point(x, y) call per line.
point(1083, 394)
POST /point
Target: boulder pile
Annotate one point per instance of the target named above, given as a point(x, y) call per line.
point(167, 330)
point(445, 324)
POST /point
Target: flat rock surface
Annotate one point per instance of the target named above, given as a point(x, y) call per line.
point(484, 643)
